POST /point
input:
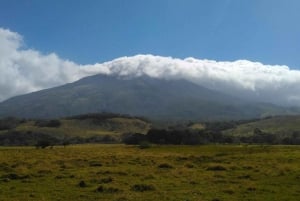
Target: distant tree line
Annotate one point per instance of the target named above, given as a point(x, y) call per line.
point(207, 136)
point(42, 140)
point(10, 123)
point(48, 123)
point(104, 116)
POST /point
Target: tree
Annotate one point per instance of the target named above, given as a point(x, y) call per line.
point(43, 143)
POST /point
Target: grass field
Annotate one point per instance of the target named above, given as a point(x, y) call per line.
point(120, 173)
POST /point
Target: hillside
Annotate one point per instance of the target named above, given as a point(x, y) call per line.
point(158, 99)
point(282, 126)
point(77, 129)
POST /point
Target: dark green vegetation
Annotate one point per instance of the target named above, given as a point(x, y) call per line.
point(275, 130)
point(157, 99)
point(112, 128)
point(119, 172)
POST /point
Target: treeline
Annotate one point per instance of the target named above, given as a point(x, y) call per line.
point(10, 123)
point(207, 136)
point(38, 139)
point(104, 116)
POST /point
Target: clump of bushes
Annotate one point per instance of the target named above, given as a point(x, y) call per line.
point(142, 187)
point(95, 164)
point(189, 165)
point(82, 184)
point(103, 189)
point(216, 168)
point(106, 180)
point(10, 123)
point(13, 176)
point(48, 123)
point(144, 145)
point(43, 143)
point(165, 166)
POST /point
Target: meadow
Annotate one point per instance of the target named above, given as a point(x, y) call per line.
point(168, 172)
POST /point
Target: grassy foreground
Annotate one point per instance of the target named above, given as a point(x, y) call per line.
point(120, 173)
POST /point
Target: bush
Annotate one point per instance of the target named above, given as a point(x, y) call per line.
point(216, 168)
point(144, 145)
point(9, 123)
point(95, 164)
point(48, 123)
point(82, 184)
point(133, 138)
point(165, 165)
point(43, 144)
point(142, 187)
point(103, 189)
point(28, 138)
point(106, 180)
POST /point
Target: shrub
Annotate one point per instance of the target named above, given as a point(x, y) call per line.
point(142, 187)
point(95, 164)
point(216, 168)
point(165, 165)
point(133, 138)
point(82, 184)
point(106, 180)
point(189, 165)
point(13, 176)
point(43, 143)
point(48, 123)
point(103, 189)
point(9, 123)
point(144, 145)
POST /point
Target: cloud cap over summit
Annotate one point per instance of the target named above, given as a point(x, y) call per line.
point(26, 70)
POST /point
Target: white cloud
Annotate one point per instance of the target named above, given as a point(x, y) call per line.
point(23, 71)
point(26, 70)
point(242, 78)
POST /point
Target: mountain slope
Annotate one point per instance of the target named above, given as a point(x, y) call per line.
point(141, 96)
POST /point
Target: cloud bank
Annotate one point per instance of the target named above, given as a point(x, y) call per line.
point(27, 70)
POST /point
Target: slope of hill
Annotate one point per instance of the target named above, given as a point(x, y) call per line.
point(77, 129)
point(139, 96)
point(281, 126)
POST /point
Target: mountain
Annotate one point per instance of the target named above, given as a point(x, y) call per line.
point(139, 96)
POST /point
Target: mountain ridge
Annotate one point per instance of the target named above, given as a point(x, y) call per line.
point(141, 96)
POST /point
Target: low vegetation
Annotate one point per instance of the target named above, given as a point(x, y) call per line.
point(210, 135)
point(160, 172)
point(116, 128)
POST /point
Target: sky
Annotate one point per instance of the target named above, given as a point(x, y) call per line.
point(101, 30)
point(248, 48)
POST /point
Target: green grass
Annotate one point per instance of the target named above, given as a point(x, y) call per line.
point(119, 172)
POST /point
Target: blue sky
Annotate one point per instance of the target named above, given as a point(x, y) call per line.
point(89, 31)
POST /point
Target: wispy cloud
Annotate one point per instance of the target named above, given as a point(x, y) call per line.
point(27, 70)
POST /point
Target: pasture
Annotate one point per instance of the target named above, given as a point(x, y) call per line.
point(124, 173)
